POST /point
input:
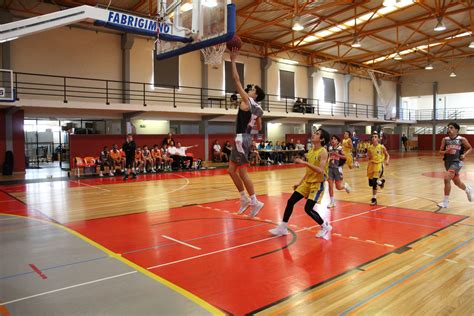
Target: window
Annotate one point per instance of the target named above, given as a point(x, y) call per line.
point(229, 81)
point(287, 84)
point(166, 72)
point(329, 90)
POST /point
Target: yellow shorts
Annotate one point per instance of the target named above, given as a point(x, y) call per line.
point(349, 160)
point(312, 191)
point(374, 170)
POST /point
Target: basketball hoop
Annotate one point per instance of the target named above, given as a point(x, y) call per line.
point(213, 55)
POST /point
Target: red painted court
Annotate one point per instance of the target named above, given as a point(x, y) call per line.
point(233, 263)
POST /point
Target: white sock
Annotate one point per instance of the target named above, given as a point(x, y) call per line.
point(253, 199)
point(333, 200)
point(242, 195)
point(446, 198)
point(374, 196)
point(283, 224)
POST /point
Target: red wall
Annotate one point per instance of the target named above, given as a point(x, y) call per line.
point(425, 141)
point(91, 145)
point(19, 141)
point(2, 137)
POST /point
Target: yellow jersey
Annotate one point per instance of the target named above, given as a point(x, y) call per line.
point(376, 153)
point(346, 145)
point(314, 158)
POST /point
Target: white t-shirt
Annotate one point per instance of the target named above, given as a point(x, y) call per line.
point(178, 151)
point(217, 147)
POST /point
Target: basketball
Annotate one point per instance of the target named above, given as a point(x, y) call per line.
point(235, 42)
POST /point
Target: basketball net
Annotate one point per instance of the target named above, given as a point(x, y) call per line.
point(213, 55)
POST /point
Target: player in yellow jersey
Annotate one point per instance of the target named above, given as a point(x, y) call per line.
point(347, 149)
point(377, 154)
point(311, 185)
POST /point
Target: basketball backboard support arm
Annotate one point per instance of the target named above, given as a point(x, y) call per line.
point(102, 17)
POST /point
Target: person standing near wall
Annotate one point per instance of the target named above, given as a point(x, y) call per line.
point(129, 148)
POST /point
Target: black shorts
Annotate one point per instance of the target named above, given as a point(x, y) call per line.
point(129, 162)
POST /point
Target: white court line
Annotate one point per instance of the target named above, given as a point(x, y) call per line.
point(211, 253)
point(68, 287)
point(429, 255)
point(450, 260)
point(180, 242)
point(88, 185)
point(145, 198)
point(261, 240)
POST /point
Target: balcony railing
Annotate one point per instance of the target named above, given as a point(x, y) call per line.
point(68, 89)
point(441, 114)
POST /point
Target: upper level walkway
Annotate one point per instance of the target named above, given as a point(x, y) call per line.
point(46, 94)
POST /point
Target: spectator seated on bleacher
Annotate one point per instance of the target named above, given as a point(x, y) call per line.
point(234, 100)
point(118, 161)
point(181, 160)
point(254, 155)
point(167, 160)
point(105, 161)
point(148, 164)
point(217, 154)
point(227, 149)
point(300, 148)
point(157, 157)
point(139, 160)
point(278, 153)
point(298, 106)
point(270, 153)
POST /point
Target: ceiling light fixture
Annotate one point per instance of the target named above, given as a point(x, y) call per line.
point(397, 56)
point(297, 26)
point(328, 69)
point(356, 43)
point(471, 45)
point(452, 74)
point(440, 25)
point(429, 66)
point(389, 3)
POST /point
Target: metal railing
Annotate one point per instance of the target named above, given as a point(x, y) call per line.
point(441, 114)
point(67, 89)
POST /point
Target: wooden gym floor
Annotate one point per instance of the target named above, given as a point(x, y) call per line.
point(173, 241)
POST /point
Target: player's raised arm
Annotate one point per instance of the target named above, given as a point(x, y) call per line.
point(235, 75)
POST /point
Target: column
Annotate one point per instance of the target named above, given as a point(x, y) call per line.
point(265, 64)
point(205, 83)
point(435, 97)
point(127, 44)
point(398, 99)
point(204, 130)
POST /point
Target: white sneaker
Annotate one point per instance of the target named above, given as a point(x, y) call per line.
point(280, 230)
point(244, 203)
point(325, 230)
point(332, 204)
point(443, 204)
point(469, 193)
point(255, 209)
point(347, 187)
